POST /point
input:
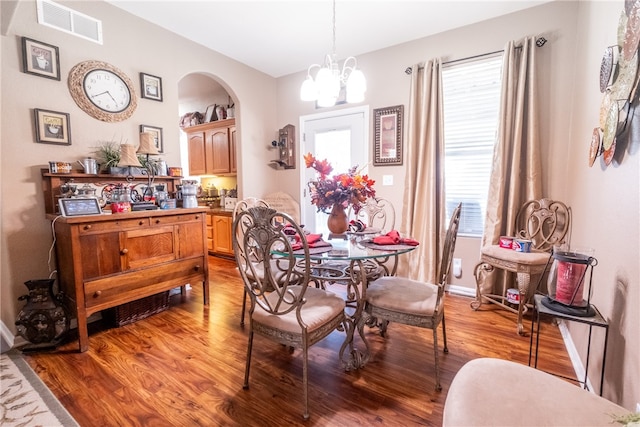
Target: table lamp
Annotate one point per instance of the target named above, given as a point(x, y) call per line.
point(148, 147)
point(129, 159)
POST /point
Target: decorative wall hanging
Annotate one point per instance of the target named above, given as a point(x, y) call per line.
point(150, 87)
point(387, 145)
point(40, 59)
point(619, 81)
point(52, 127)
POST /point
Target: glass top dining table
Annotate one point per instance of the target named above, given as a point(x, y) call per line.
point(353, 260)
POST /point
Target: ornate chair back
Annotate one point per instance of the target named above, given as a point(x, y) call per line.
point(242, 206)
point(545, 222)
point(378, 213)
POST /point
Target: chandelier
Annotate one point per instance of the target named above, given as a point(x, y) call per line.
point(325, 89)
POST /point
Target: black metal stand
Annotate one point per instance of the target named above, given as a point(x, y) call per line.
point(595, 320)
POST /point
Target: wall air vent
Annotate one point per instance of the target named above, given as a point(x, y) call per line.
point(68, 20)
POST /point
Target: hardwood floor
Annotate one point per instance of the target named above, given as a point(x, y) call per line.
point(185, 367)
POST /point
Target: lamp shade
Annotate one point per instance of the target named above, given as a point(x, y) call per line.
point(147, 144)
point(128, 156)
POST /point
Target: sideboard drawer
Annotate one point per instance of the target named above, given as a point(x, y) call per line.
point(108, 292)
point(118, 225)
point(176, 219)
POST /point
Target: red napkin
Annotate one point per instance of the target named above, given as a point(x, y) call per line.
point(393, 238)
point(313, 240)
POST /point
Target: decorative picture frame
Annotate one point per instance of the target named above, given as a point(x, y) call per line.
point(388, 131)
point(209, 113)
point(150, 87)
point(40, 59)
point(157, 135)
point(52, 127)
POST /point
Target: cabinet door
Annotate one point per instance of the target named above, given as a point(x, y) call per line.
point(222, 242)
point(217, 149)
point(190, 238)
point(232, 149)
point(100, 254)
point(197, 154)
point(147, 247)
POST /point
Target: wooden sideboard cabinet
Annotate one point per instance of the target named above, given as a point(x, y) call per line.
point(109, 260)
point(212, 148)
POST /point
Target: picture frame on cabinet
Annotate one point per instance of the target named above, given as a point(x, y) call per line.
point(40, 59)
point(387, 143)
point(157, 135)
point(210, 113)
point(52, 127)
point(150, 87)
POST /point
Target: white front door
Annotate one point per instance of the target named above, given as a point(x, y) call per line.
point(341, 138)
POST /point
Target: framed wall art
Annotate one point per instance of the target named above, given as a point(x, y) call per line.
point(387, 144)
point(52, 127)
point(157, 135)
point(40, 59)
point(151, 87)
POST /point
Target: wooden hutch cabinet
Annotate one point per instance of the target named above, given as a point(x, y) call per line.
point(108, 260)
point(212, 148)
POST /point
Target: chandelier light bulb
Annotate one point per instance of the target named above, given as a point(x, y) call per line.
point(356, 86)
point(309, 91)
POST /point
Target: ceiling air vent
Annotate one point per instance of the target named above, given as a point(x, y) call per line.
point(68, 20)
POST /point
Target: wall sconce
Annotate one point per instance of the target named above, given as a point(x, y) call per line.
point(286, 147)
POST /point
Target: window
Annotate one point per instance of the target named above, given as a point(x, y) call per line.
point(471, 99)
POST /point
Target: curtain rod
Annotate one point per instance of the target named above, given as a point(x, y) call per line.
point(540, 41)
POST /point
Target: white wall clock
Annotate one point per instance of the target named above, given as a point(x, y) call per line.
point(102, 91)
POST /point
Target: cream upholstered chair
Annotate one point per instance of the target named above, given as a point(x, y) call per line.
point(545, 223)
point(416, 303)
point(494, 392)
point(283, 307)
point(243, 205)
point(378, 213)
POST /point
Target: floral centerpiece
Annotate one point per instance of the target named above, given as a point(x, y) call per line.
point(334, 194)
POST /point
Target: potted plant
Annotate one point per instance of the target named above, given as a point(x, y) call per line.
point(108, 156)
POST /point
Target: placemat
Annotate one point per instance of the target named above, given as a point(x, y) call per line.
point(315, 251)
point(372, 245)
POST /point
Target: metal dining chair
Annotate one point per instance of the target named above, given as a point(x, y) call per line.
point(241, 206)
point(283, 307)
point(413, 302)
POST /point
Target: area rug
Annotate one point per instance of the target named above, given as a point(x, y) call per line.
point(25, 400)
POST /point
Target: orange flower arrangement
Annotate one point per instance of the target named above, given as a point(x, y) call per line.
point(346, 189)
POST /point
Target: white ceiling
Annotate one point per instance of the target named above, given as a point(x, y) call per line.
point(286, 36)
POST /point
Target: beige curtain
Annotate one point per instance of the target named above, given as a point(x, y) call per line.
point(423, 211)
point(516, 173)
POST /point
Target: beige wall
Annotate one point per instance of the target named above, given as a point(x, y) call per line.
point(605, 202)
point(606, 209)
point(134, 46)
point(389, 85)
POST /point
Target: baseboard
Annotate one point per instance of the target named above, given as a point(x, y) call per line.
point(6, 338)
point(578, 367)
point(462, 290)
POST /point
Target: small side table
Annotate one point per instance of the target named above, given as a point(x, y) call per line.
point(596, 320)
